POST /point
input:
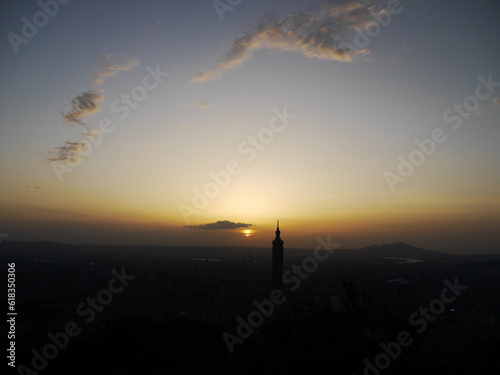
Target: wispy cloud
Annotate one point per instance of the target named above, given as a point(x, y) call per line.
point(69, 152)
point(93, 133)
point(219, 225)
point(86, 104)
point(200, 105)
point(322, 33)
point(111, 64)
point(82, 106)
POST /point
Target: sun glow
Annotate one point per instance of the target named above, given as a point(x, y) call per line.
point(247, 232)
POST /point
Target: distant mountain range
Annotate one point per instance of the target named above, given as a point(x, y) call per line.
point(403, 251)
point(398, 251)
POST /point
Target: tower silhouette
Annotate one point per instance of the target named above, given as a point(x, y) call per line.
point(277, 258)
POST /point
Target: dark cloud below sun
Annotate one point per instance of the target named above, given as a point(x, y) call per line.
point(224, 224)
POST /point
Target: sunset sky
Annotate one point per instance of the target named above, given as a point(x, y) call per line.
point(372, 122)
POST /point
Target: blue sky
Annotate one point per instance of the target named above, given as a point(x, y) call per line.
point(333, 169)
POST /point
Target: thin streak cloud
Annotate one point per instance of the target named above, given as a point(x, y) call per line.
point(321, 34)
point(82, 106)
point(69, 152)
point(111, 64)
point(200, 105)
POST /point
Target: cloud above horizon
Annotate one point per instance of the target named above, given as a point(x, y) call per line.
point(72, 151)
point(224, 224)
point(112, 64)
point(69, 152)
point(83, 105)
point(200, 105)
point(86, 104)
point(323, 33)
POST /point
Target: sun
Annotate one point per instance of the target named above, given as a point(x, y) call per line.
point(247, 232)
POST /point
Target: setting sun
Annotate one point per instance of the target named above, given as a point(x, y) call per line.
point(325, 115)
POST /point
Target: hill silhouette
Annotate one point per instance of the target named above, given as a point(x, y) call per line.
point(401, 250)
point(391, 250)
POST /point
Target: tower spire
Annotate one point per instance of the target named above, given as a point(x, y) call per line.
point(277, 258)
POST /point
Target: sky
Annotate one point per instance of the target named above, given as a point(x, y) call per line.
point(203, 122)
